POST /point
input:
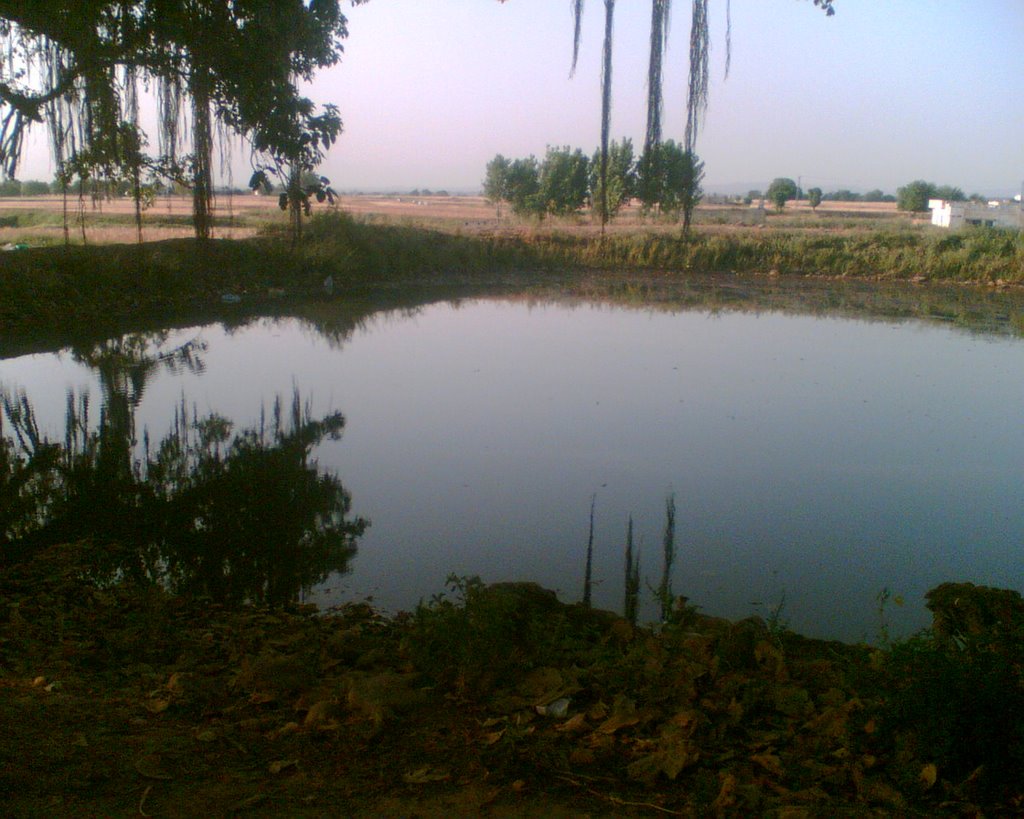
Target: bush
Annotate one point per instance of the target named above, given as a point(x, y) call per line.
point(487, 635)
point(961, 707)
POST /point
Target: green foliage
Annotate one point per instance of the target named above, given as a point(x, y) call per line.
point(950, 193)
point(814, 197)
point(82, 67)
point(523, 187)
point(670, 179)
point(914, 196)
point(476, 636)
point(495, 185)
point(666, 598)
point(842, 195)
point(34, 187)
point(564, 177)
point(781, 191)
point(10, 188)
point(961, 708)
point(621, 177)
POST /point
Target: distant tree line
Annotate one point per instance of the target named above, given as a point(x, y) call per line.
point(815, 196)
point(666, 179)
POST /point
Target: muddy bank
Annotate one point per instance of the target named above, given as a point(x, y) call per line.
point(122, 700)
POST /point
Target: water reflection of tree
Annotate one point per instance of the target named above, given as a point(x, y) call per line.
point(236, 516)
point(252, 516)
point(124, 365)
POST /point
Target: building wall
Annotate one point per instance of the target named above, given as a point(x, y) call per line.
point(960, 214)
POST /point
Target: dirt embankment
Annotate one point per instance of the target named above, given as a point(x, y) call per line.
point(120, 700)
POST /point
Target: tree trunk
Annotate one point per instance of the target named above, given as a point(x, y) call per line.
point(606, 106)
point(202, 149)
point(295, 202)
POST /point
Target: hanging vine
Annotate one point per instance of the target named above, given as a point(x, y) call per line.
point(230, 64)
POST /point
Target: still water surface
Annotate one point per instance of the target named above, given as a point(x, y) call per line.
point(814, 461)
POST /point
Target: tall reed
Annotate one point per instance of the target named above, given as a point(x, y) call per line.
point(632, 580)
point(665, 596)
point(588, 573)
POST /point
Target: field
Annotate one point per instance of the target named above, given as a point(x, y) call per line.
point(40, 221)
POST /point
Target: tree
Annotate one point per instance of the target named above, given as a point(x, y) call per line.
point(34, 187)
point(842, 195)
point(564, 179)
point(670, 179)
point(606, 96)
point(496, 182)
point(699, 76)
point(683, 174)
point(621, 177)
point(10, 187)
point(80, 66)
point(781, 191)
point(914, 196)
point(523, 186)
point(949, 193)
point(814, 198)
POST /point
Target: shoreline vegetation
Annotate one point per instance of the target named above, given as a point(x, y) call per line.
point(121, 698)
point(48, 292)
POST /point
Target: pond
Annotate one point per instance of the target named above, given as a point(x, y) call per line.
point(817, 462)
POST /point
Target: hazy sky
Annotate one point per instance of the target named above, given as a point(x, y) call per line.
point(876, 96)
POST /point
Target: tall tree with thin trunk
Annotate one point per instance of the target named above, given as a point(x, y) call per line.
point(606, 93)
point(659, 33)
point(697, 84)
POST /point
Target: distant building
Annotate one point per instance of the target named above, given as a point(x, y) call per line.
point(1008, 214)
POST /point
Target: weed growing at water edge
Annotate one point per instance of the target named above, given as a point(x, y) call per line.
point(632, 578)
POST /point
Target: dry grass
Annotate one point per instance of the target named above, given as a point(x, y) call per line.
point(241, 216)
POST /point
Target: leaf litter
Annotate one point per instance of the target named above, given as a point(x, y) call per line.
point(139, 702)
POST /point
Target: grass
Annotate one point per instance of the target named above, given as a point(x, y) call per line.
point(60, 293)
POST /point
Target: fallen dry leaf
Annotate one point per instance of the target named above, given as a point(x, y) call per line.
point(425, 775)
point(573, 724)
point(156, 705)
point(770, 762)
point(282, 765)
point(493, 737)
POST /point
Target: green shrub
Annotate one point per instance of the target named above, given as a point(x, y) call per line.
point(960, 707)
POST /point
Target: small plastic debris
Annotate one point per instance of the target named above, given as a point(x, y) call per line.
point(329, 285)
point(230, 298)
point(558, 709)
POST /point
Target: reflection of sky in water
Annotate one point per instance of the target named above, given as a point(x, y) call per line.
point(820, 458)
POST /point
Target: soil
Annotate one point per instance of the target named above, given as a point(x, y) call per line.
point(121, 700)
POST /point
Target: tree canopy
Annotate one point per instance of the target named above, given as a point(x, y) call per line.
point(79, 65)
point(915, 195)
point(781, 191)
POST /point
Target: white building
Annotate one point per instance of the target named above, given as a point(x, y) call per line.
point(986, 214)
